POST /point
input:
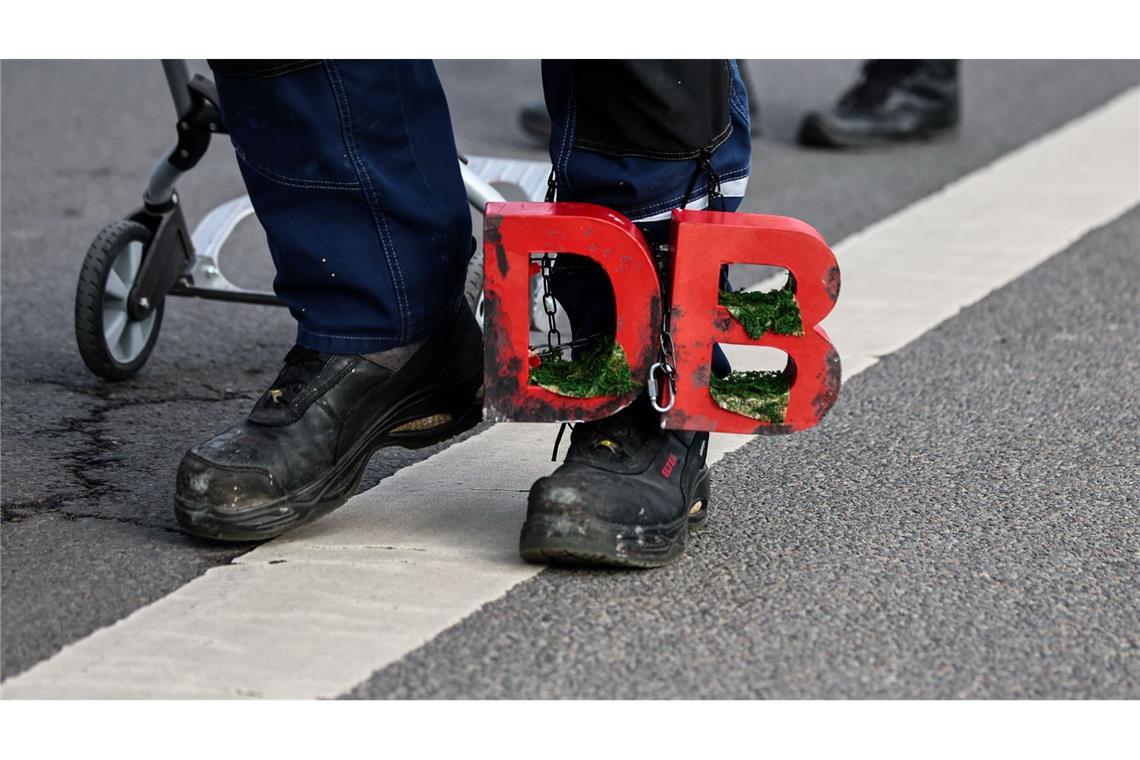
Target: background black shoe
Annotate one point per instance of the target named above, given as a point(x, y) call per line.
point(626, 495)
point(894, 101)
point(303, 448)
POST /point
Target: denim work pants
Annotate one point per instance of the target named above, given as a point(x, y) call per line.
point(352, 169)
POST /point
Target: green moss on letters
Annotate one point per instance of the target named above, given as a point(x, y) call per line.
point(772, 310)
point(600, 370)
point(759, 395)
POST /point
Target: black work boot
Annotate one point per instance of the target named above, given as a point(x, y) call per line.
point(895, 101)
point(303, 449)
point(626, 494)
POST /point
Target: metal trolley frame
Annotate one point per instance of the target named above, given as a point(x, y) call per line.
point(136, 262)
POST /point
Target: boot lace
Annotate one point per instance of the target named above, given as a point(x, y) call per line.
point(616, 438)
point(301, 366)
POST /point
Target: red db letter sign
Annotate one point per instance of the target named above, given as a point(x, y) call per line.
point(704, 241)
point(514, 231)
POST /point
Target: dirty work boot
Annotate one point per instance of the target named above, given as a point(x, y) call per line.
point(302, 450)
point(626, 495)
point(894, 101)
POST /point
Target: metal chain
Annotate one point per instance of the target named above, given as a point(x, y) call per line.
point(549, 305)
point(716, 198)
point(666, 366)
point(551, 186)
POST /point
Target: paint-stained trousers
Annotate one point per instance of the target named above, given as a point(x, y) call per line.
point(352, 169)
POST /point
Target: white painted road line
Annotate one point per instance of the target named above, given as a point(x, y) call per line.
point(315, 613)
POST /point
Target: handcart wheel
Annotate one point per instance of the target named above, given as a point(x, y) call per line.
point(112, 343)
point(473, 287)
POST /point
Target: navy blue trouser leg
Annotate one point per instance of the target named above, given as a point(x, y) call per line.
point(616, 142)
point(598, 163)
point(352, 170)
point(351, 167)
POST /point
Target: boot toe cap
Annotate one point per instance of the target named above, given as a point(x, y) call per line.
point(224, 488)
point(591, 494)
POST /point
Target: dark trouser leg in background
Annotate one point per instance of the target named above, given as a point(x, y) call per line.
point(641, 137)
point(352, 170)
point(893, 101)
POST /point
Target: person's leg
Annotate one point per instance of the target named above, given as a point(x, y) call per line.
point(893, 101)
point(534, 118)
point(642, 138)
point(630, 135)
point(352, 170)
point(638, 137)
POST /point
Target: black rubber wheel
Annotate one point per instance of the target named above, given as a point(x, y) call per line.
point(112, 344)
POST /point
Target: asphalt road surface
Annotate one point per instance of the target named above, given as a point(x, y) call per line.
point(964, 523)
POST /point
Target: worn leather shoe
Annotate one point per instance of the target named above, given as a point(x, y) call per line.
point(303, 448)
point(626, 495)
point(894, 101)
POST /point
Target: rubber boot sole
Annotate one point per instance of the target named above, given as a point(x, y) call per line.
point(589, 540)
point(428, 418)
point(815, 133)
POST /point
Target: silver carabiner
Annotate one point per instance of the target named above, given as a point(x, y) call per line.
point(651, 386)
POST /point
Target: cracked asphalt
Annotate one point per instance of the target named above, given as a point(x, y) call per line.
point(87, 531)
